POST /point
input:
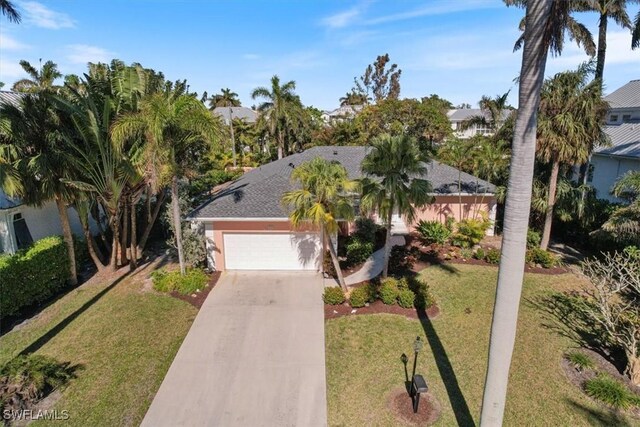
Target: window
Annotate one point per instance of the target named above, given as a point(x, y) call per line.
point(482, 129)
point(21, 231)
point(590, 173)
point(613, 118)
point(626, 118)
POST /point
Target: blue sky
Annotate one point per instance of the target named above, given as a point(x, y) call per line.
point(458, 49)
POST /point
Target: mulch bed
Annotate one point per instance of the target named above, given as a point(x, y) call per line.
point(578, 378)
point(377, 307)
point(401, 406)
point(197, 299)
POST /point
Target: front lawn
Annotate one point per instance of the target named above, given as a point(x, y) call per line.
point(364, 366)
point(124, 337)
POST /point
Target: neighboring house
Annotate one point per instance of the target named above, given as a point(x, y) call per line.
point(242, 113)
point(345, 112)
point(458, 119)
point(247, 227)
point(21, 225)
point(608, 164)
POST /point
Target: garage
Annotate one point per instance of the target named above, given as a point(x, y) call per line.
point(272, 251)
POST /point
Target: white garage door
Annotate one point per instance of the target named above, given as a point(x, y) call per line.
point(272, 251)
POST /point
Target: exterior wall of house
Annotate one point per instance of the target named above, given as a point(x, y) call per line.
point(453, 206)
point(214, 231)
point(606, 170)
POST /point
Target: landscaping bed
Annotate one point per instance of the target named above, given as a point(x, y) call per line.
point(377, 307)
point(197, 299)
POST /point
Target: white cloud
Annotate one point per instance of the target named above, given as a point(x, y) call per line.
point(10, 70)
point(250, 56)
point(9, 43)
point(440, 7)
point(342, 19)
point(82, 53)
point(41, 16)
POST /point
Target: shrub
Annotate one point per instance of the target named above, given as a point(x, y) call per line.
point(466, 253)
point(32, 276)
point(433, 232)
point(579, 360)
point(333, 295)
point(28, 378)
point(193, 281)
point(327, 265)
point(480, 254)
point(358, 251)
point(540, 256)
point(389, 291)
point(469, 232)
point(81, 251)
point(372, 291)
point(406, 298)
point(359, 297)
point(400, 260)
point(533, 239)
point(366, 229)
point(610, 391)
point(492, 256)
point(423, 297)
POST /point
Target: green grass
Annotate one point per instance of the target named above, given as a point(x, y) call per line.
point(124, 338)
point(364, 367)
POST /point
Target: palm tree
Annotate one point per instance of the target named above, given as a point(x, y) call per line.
point(280, 104)
point(571, 120)
point(540, 36)
point(177, 128)
point(353, 98)
point(624, 223)
point(9, 10)
point(456, 153)
point(34, 160)
point(322, 200)
point(496, 112)
point(226, 98)
point(41, 80)
point(391, 185)
point(635, 37)
point(606, 9)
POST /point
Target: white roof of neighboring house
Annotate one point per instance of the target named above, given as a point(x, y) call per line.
point(625, 140)
point(628, 96)
point(7, 202)
point(243, 113)
point(467, 113)
point(345, 111)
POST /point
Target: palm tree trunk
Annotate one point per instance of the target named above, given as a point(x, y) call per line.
point(95, 213)
point(280, 145)
point(334, 259)
point(124, 235)
point(94, 251)
point(551, 201)
point(133, 263)
point(151, 220)
point(177, 225)
point(233, 140)
point(115, 223)
point(516, 218)
point(602, 46)
point(387, 245)
point(68, 239)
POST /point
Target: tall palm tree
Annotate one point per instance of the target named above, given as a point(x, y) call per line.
point(353, 98)
point(178, 129)
point(570, 124)
point(496, 112)
point(9, 10)
point(40, 80)
point(226, 98)
point(280, 103)
point(635, 37)
point(322, 200)
point(456, 153)
point(391, 184)
point(606, 9)
point(540, 36)
point(34, 159)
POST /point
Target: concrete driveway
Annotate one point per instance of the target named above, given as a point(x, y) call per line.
point(254, 356)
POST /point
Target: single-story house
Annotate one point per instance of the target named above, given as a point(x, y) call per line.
point(247, 228)
point(242, 113)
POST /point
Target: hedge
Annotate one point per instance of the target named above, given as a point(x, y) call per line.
point(33, 275)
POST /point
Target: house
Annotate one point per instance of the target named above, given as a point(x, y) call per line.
point(459, 117)
point(242, 113)
point(247, 228)
point(608, 164)
point(21, 225)
point(345, 112)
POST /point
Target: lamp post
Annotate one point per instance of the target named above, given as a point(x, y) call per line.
point(417, 346)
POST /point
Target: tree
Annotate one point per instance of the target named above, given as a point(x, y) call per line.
point(280, 105)
point(323, 200)
point(226, 98)
point(390, 184)
point(540, 36)
point(34, 159)
point(178, 129)
point(606, 9)
point(624, 223)
point(353, 98)
point(635, 36)
point(379, 82)
point(41, 80)
point(455, 152)
point(571, 119)
point(497, 115)
point(9, 10)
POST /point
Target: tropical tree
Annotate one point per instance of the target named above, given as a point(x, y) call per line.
point(455, 152)
point(279, 107)
point(9, 10)
point(570, 124)
point(391, 184)
point(34, 159)
point(624, 223)
point(40, 80)
point(635, 36)
point(324, 199)
point(226, 98)
point(379, 82)
point(497, 115)
point(541, 35)
point(353, 98)
point(178, 129)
